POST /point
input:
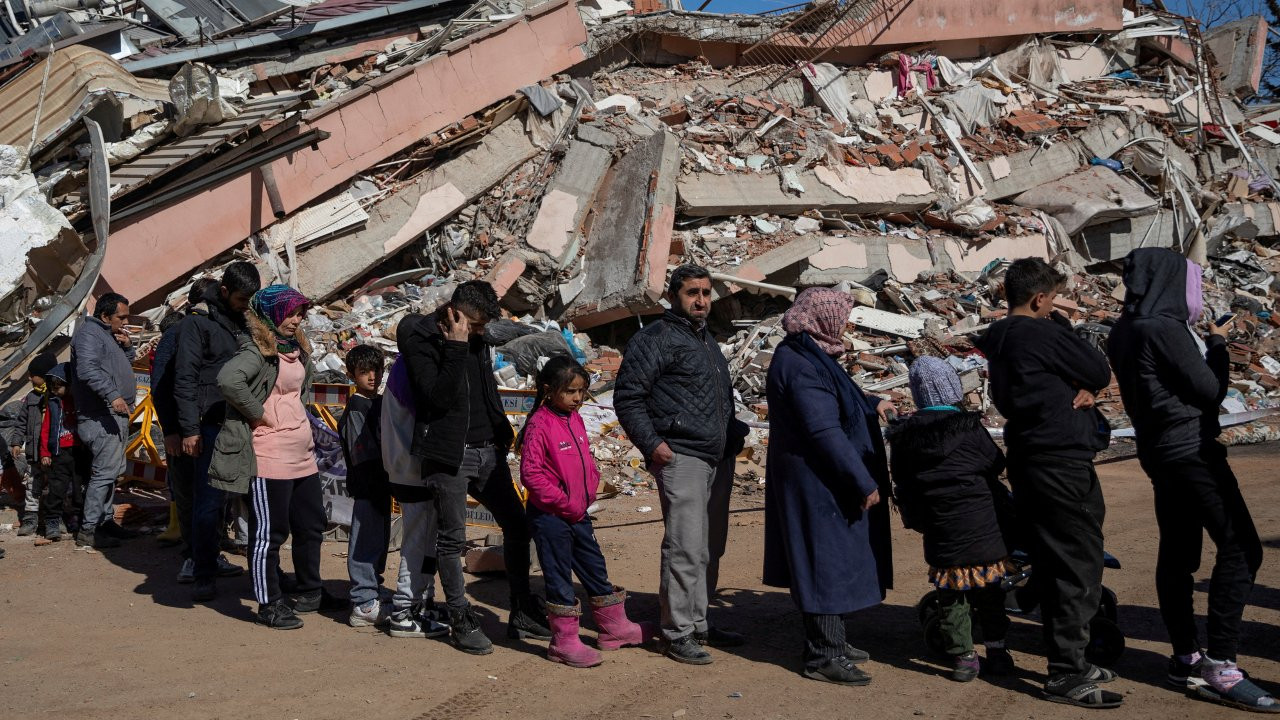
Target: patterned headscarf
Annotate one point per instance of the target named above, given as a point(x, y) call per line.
point(822, 313)
point(272, 304)
point(934, 383)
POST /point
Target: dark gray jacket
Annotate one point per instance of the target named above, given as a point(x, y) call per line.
point(207, 338)
point(101, 370)
point(674, 387)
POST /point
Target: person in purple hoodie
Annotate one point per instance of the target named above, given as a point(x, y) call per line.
point(560, 474)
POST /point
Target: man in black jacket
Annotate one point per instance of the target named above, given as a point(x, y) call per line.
point(1044, 380)
point(462, 437)
point(1172, 384)
point(675, 401)
point(208, 337)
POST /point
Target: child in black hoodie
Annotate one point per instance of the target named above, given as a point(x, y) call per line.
point(1043, 381)
point(946, 483)
point(1172, 383)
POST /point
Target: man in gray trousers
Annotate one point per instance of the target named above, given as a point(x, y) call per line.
point(675, 401)
point(104, 390)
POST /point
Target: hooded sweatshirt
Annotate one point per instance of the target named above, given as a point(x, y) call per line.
point(1170, 390)
point(1037, 367)
point(556, 465)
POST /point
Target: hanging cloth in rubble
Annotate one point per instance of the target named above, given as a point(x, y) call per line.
point(542, 99)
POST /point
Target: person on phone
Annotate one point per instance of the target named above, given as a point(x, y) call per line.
point(826, 531)
point(1172, 382)
point(104, 391)
point(461, 435)
point(675, 401)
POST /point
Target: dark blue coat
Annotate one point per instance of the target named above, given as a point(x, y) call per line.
point(825, 455)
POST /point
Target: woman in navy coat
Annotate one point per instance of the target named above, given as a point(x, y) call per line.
point(826, 529)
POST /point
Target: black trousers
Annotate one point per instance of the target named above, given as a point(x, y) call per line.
point(1196, 494)
point(1060, 505)
point(278, 509)
point(56, 482)
point(824, 638)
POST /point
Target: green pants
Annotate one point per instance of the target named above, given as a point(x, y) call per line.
point(957, 607)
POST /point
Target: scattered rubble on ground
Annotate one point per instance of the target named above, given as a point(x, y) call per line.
point(375, 155)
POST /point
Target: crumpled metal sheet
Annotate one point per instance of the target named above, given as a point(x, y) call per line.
point(1093, 196)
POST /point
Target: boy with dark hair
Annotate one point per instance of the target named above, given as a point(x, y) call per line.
point(32, 414)
point(368, 485)
point(1172, 383)
point(1044, 380)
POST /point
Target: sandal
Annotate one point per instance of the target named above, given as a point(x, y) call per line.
point(1244, 695)
point(1096, 674)
point(1076, 691)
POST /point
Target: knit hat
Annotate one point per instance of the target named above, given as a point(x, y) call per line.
point(42, 363)
point(934, 383)
point(822, 313)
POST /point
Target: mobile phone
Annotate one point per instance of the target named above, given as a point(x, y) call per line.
point(1226, 318)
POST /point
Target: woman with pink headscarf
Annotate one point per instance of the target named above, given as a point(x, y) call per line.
point(826, 531)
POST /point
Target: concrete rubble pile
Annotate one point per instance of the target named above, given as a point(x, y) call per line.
point(572, 152)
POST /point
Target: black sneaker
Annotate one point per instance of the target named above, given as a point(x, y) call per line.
point(408, 624)
point(53, 529)
point(28, 524)
point(840, 671)
point(319, 600)
point(686, 650)
point(856, 656)
point(111, 529)
point(716, 637)
point(97, 540)
point(466, 633)
point(278, 616)
point(998, 662)
point(964, 668)
point(1185, 676)
point(205, 590)
point(527, 621)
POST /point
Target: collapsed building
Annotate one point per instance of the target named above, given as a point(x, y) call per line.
point(374, 152)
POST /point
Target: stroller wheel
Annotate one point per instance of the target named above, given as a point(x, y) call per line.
point(928, 605)
point(1108, 605)
point(933, 633)
point(1106, 642)
point(1021, 599)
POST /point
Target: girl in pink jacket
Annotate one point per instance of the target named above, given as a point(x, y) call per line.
point(561, 476)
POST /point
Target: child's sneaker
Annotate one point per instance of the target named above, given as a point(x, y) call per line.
point(370, 614)
point(965, 667)
point(1184, 671)
point(999, 662)
point(405, 624)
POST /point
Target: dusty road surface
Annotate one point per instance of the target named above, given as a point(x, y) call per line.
point(86, 635)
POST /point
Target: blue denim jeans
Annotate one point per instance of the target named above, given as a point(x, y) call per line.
point(367, 547)
point(566, 549)
point(207, 506)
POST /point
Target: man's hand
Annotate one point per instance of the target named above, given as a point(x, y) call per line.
point(123, 339)
point(1083, 399)
point(119, 406)
point(192, 446)
point(1221, 330)
point(172, 445)
point(661, 456)
point(887, 411)
point(46, 461)
point(15, 450)
point(457, 326)
point(871, 500)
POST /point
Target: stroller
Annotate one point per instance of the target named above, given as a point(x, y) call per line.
point(1106, 641)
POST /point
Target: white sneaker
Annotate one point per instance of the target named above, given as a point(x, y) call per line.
point(188, 572)
point(371, 614)
point(228, 569)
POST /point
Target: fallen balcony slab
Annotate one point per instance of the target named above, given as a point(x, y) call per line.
point(855, 258)
point(569, 194)
point(1114, 240)
point(857, 190)
point(625, 267)
point(397, 220)
point(366, 126)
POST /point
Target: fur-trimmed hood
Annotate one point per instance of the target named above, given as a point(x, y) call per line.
point(265, 339)
point(932, 433)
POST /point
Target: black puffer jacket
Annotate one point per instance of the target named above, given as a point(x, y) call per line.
point(674, 387)
point(438, 374)
point(946, 480)
point(1170, 390)
point(207, 338)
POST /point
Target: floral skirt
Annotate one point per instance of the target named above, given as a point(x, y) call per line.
point(968, 578)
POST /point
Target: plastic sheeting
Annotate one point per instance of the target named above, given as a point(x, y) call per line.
point(197, 94)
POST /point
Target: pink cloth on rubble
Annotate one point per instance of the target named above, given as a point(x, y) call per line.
point(906, 64)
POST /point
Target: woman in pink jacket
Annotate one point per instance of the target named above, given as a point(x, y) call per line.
point(560, 474)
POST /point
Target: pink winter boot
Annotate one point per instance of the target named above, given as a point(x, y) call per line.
point(616, 630)
point(566, 647)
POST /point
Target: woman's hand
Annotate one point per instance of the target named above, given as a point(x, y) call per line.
point(887, 412)
point(871, 500)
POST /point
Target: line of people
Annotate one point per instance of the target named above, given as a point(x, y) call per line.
point(232, 382)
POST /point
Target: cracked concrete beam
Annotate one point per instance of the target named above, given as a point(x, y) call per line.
point(846, 189)
point(855, 258)
point(1114, 240)
point(569, 195)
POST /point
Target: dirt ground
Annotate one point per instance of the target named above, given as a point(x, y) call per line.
point(112, 635)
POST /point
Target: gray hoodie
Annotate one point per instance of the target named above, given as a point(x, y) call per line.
point(101, 370)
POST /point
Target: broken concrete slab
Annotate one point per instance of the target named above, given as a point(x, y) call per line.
point(1029, 168)
point(1090, 197)
point(1114, 240)
point(625, 266)
point(1239, 47)
point(848, 188)
point(569, 194)
point(856, 257)
point(405, 215)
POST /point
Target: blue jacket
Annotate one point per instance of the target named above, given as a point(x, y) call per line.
point(825, 455)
